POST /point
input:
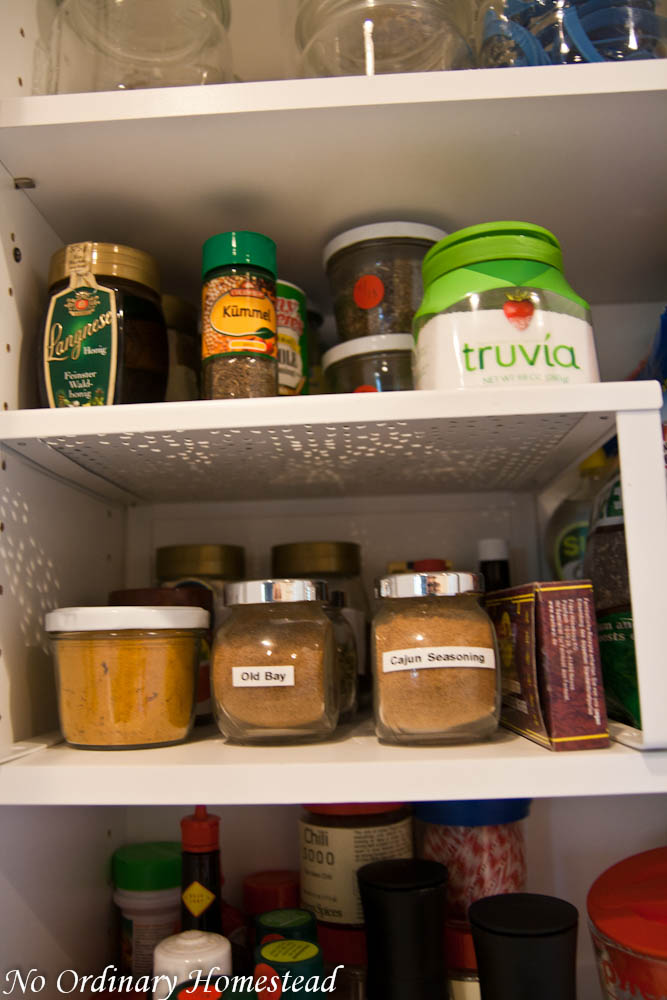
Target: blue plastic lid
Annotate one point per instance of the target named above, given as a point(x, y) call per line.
point(473, 812)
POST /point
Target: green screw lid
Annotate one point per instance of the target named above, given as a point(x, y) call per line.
point(239, 247)
point(491, 241)
point(301, 958)
point(147, 867)
point(288, 923)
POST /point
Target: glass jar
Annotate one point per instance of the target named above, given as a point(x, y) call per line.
point(370, 364)
point(104, 339)
point(184, 364)
point(480, 841)
point(498, 312)
point(335, 841)
point(239, 342)
point(365, 37)
point(126, 676)
point(435, 660)
point(274, 663)
point(375, 276)
point(346, 656)
point(339, 565)
point(107, 45)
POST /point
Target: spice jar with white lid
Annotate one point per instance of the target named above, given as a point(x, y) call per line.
point(370, 364)
point(274, 663)
point(435, 660)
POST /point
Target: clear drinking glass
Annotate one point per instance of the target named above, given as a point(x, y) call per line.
point(130, 44)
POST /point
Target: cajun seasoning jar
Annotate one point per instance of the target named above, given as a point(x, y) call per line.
point(274, 663)
point(104, 339)
point(435, 661)
point(239, 342)
point(498, 311)
point(335, 841)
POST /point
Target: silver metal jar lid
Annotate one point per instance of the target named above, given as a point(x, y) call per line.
point(429, 584)
point(273, 591)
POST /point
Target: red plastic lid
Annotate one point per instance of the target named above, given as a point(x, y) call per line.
point(342, 946)
point(200, 832)
point(430, 566)
point(270, 890)
point(628, 903)
point(459, 947)
point(355, 808)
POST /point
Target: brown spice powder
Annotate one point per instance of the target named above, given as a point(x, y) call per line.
point(131, 690)
point(299, 636)
point(425, 702)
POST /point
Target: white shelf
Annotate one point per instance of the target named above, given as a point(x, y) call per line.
point(355, 768)
point(344, 445)
point(164, 169)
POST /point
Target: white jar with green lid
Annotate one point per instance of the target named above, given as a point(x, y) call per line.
point(497, 311)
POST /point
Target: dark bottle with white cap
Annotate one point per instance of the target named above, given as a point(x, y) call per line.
point(494, 563)
point(526, 946)
point(404, 903)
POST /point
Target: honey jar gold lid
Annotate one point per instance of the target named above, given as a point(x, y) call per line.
point(274, 591)
point(225, 562)
point(108, 259)
point(429, 584)
point(313, 558)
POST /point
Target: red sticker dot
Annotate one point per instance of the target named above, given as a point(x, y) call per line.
point(368, 291)
point(365, 388)
point(270, 989)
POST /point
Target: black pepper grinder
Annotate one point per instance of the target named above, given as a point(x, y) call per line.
point(526, 946)
point(404, 904)
point(200, 878)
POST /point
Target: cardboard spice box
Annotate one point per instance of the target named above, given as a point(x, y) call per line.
point(550, 662)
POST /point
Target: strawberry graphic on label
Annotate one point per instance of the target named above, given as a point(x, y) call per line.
point(519, 311)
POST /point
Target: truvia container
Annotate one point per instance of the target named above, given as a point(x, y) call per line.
point(126, 676)
point(627, 913)
point(435, 660)
point(274, 663)
point(147, 890)
point(498, 312)
point(104, 339)
point(480, 841)
point(365, 37)
point(239, 342)
point(335, 841)
point(375, 276)
point(382, 363)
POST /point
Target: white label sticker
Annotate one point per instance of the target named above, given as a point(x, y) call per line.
point(429, 657)
point(263, 677)
point(460, 349)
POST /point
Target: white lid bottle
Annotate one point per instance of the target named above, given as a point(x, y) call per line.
point(179, 957)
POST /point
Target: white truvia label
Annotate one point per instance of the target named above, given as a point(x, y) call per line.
point(438, 657)
point(263, 677)
point(460, 349)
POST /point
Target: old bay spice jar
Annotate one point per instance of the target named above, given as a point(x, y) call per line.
point(104, 339)
point(239, 344)
point(435, 661)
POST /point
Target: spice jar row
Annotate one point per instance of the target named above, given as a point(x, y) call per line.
point(495, 310)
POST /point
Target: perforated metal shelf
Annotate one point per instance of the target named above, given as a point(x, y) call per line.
point(367, 444)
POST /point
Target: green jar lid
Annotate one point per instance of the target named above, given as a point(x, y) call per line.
point(301, 958)
point(491, 241)
point(288, 923)
point(147, 867)
point(239, 247)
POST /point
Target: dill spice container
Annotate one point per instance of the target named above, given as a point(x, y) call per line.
point(435, 661)
point(104, 339)
point(274, 665)
point(239, 343)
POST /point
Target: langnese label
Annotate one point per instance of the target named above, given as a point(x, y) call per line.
point(457, 350)
point(80, 346)
point(438, 657)
point(263, 676)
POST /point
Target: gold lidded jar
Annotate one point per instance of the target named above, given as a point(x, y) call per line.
point(273, 672)
point(435, 660)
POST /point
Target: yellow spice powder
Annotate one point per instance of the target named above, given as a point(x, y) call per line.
point(126, 690)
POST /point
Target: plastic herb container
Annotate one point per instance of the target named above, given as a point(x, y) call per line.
point(370, 364)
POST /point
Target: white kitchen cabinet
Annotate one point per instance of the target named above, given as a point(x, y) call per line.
point(85, 498)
